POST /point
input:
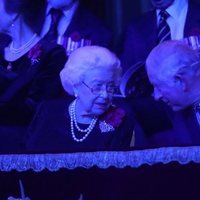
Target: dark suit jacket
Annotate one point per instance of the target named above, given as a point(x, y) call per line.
point(185, 130)
point(50, 131)
point(141, 36)
point(88, 26)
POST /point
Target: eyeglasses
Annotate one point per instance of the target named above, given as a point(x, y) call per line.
point(98, 89)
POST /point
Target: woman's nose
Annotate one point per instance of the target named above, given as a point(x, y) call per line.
point(104, 93)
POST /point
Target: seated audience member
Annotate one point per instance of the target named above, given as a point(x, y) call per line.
point(145, 32)
point(29, 69)
point(71, 25)
point(175, 75)
point(89, 121)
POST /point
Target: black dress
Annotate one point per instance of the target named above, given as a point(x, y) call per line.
point(23, 84)
point(50, 132)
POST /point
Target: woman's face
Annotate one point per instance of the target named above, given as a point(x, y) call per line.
point(6, 19)
point(95, 92)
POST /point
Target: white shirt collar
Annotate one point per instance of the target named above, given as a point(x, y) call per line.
point(66, 19)
point(66, 13)
point(175, 9)
point(48, 9)
point(69, 13)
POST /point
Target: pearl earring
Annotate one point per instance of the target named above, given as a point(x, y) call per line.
point(13, 20)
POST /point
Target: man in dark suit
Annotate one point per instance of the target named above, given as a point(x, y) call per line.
point(141, 38)
point(75, 26)
point(175, 76)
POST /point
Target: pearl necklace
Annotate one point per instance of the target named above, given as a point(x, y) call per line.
point(12, 54)
point(26, 45)
point(73, 122)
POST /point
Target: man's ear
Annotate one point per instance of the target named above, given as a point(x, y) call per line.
point(182, 78)
point(180, 82)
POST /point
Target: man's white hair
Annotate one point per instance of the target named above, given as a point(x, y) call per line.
point(178, 52)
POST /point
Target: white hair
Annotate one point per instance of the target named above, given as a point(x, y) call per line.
point(86, 59)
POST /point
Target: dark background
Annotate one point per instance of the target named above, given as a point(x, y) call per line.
point(158, 182)
point(117, 14)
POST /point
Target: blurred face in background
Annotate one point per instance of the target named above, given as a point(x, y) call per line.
point(162, 4)
point(6, 18)
point(61, 4)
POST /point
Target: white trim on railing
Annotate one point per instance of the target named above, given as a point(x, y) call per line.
point(118, 159)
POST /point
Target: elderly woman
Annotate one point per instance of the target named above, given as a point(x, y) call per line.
point(29, 69)
point(90, 121)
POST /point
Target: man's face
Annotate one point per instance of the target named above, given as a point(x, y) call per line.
point(162, 4)
point(60, 4)
point(168, 89)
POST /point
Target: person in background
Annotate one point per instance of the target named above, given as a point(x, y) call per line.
point(72, 26)
point(143, 34)
point(29, 69)
point(175, 76)
point(170, 19)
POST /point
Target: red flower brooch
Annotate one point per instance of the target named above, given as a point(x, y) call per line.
point(111, 119)
point(35, 54)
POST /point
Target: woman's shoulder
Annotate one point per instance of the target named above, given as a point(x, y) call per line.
point(48, 54)
point(56, 104)
point(44, 50)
